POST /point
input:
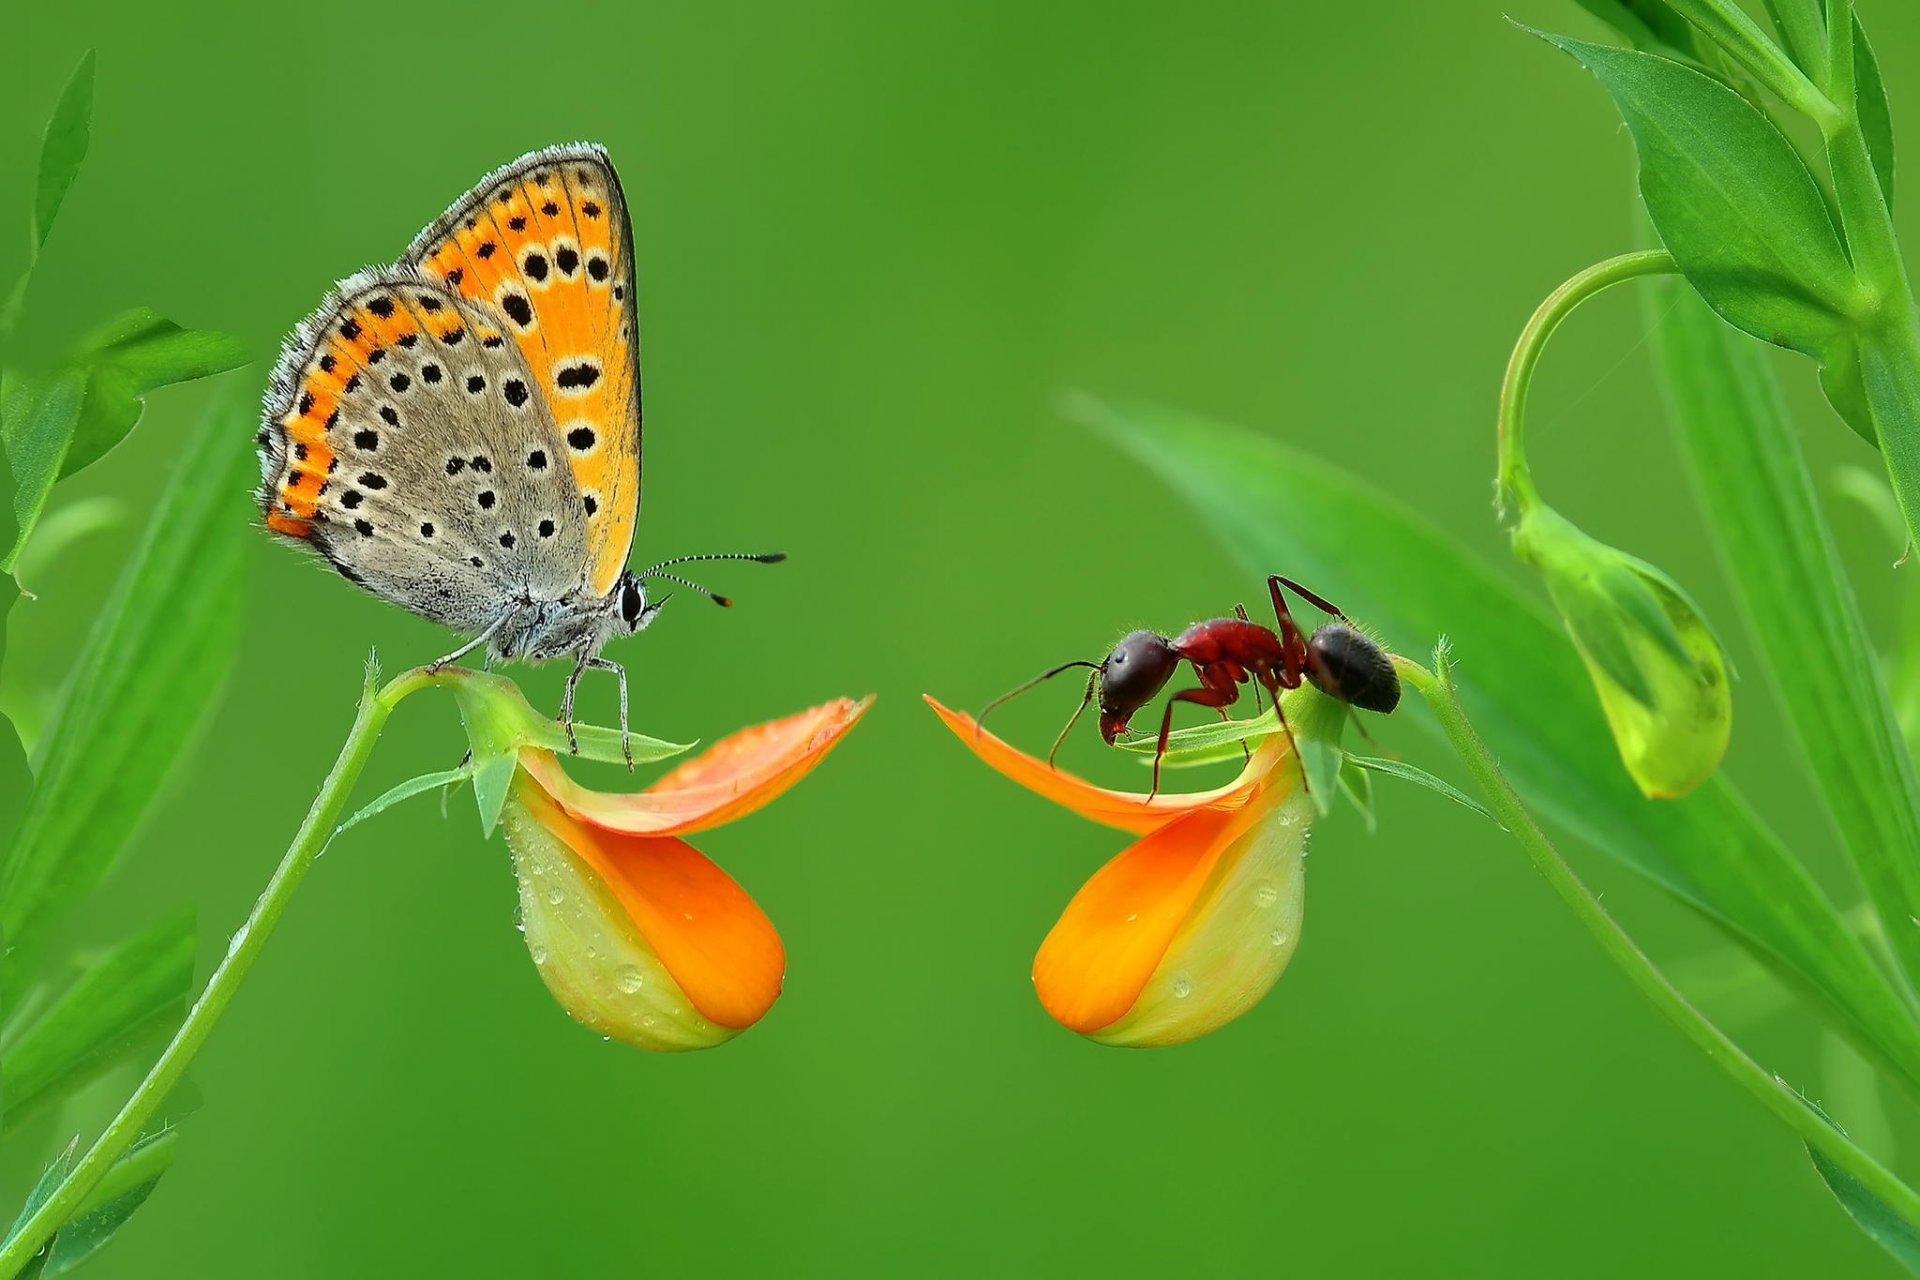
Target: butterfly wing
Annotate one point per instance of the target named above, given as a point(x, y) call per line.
point(545, 243)
point(406, 440)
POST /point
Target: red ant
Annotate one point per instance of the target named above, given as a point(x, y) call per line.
point(1226, 653)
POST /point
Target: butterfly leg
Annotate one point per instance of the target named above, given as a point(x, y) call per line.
point(467, 648)
point(566, 702)
point(620, 673)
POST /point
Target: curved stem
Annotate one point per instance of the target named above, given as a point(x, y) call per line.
point(167, 1070)
point(1774, 1093)
point(1515, 479)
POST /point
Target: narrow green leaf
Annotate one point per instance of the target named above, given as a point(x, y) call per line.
point(1875, 112)
point(1420, 777)
point(1803, 27)
point(37, 422)
point(1647, 24)
point(16, 779)
point(1870, 1213)
point(1731, 198)
point(124, 1189)
point(63, 148)
point(406, 791)
point(1356, 784)
point(50, 1180)
point(1281, 511)
point(141, 985)
point(1751, 475)
point(145, 680)
point(136, 353)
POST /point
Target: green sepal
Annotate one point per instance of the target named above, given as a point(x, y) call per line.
point(500, 722)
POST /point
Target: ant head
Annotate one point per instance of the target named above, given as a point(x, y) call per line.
point(1346, 665)
point(1137, 669)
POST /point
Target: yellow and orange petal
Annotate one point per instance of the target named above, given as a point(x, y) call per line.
point(1234, 940)
point(735, 776)
point(1128, 810)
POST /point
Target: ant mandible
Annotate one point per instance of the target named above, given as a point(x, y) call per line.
point(1226, 653)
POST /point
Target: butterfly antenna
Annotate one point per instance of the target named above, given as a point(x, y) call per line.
point(725, 602)
point(980, 720)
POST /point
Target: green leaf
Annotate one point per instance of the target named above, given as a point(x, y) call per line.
point(140, 986)
point(1420, 777)
point(123, 1189)
point(63, 148)
point(406, 791)
point(1278, 510)
point(1356, 784)
point(1870, 1213)
point(1803, 27)
point(1751, 475)
point(136, 353)
point(145, 680)
point(1874, 111)
point(50, 1180)
point(16, 779)
point(1647, 24)
point(1731, 198)
point(37, 422)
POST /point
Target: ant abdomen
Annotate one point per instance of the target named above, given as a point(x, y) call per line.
point(1344, 664)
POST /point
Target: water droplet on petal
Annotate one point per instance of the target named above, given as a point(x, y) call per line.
point(630, 979)
point(1278, 937)
point(1182, 988)
point(538, 952)
point(1266, 895)
point(556, 895)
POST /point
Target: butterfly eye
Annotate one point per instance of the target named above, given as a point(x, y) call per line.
point(632, 603)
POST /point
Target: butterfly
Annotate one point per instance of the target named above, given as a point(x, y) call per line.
point(459, 433)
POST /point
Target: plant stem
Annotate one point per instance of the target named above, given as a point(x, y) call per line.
point(167, 1070)
point(1774, 1094)
point(1515, 479)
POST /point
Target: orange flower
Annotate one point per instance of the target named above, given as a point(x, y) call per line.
point(1190, 925)
point(635, 932)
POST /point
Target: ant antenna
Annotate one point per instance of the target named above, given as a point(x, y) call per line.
point(979, 721)
point(725, 602)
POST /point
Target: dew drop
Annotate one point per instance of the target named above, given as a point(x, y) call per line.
point(556, 895)
point(1182, 988)
point(630, 979)
point(1278, 937)
point(237, 941)
point(1265, 895)
point(1133, 917)
point(538, 952)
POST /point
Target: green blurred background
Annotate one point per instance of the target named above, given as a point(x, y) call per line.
point(876, 242)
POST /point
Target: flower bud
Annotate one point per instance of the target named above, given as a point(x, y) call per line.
point(1655, 663)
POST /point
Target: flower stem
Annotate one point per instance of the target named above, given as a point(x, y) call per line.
point(122, 1131)
point(1774, 1093)
point(1515, 479)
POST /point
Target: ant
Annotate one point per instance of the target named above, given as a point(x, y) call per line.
point(1226, 653)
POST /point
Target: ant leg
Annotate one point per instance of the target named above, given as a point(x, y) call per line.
point(626, 740)
point(1204, 697)
point(1275, 582)
point(1293, 643)
point(1085, 698)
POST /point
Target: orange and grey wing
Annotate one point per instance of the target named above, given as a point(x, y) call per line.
point(545, 243)
point(403, 440)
